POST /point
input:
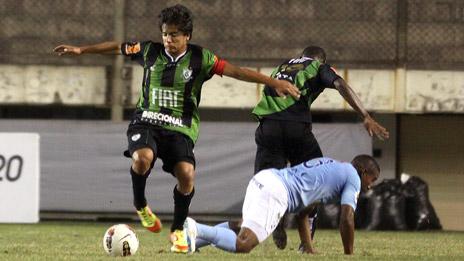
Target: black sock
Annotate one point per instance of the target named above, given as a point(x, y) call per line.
point(181, 208)
point(138, 188)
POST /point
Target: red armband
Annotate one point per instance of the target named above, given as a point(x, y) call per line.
point(218, 67)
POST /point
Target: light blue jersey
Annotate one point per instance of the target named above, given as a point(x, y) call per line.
point(320, 180)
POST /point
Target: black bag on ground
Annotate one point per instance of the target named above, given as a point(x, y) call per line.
point(420, 214)
point(385, 207)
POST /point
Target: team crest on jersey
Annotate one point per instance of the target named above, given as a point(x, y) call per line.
point(187, 74)
point(135, 137)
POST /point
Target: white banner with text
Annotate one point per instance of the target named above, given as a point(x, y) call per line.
point(19, 177)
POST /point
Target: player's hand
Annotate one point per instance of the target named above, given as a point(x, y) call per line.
point(67, 50)
point(284, 88)
point(373, 127)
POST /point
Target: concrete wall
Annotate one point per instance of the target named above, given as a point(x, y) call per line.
point(411, 91)
point(69, 85)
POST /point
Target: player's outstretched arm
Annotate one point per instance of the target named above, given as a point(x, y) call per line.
point(347, 228)
point(100, 48)
point(350, 96)
point(304, 230)
point(282, 88)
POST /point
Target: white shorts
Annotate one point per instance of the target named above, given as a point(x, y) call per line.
point(265, 203)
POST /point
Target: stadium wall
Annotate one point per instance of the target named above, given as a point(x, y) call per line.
point(389, 91)
point(432, 147)
point(83, 169)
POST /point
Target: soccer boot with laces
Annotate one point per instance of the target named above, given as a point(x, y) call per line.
point(190, 228)
point(179, 241)
point(149, 220)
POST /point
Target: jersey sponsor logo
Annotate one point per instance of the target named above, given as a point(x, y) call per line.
point(315, 163)
point(161, 118)
point(165, 98)
point(187, 74)
point(135, 137)
point(283, 76)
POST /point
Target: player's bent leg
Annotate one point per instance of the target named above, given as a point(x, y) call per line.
point(279, 235)
point(199, 243)
point(246, 240)
point(141, 160)
point(271, 153)
point(185, 174)
point(264, 205)
point(183, 194)
point(141, 163)
point(220, 236)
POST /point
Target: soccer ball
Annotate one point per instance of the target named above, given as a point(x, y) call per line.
point(120, 240)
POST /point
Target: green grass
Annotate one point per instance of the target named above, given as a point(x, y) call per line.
point(83, 241)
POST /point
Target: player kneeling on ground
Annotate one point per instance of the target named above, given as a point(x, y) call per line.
point(297, 189)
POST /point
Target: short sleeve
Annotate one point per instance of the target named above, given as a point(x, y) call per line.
point(351, 191)
point(134, 50)
point(327, 75)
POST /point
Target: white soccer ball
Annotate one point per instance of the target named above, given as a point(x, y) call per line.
point(120, 240)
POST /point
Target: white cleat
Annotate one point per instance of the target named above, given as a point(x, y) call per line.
point(190, 227)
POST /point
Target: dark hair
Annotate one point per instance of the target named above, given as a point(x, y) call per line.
point(365, 162)
point(315, 52)
point(179, 16)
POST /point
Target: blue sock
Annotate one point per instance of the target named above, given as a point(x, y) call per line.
point(223, 238)
point(201, 243)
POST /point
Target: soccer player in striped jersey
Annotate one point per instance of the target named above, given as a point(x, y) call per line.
point(284, 134)
point(165, 123)
point(298, 189)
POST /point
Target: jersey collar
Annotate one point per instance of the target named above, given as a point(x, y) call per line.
point(177, 58)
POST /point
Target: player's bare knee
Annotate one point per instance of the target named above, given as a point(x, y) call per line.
point(185, 173)
point(141, 162)
point(243, 246)
point(141, 165)
point(246, 241)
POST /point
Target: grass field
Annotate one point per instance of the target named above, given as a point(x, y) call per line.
point(83, 241)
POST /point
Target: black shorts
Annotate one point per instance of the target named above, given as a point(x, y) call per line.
point(170, 146)
point(282, 142)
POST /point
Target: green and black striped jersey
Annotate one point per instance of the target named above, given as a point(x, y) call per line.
point(310, 76)
point(171, 88)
